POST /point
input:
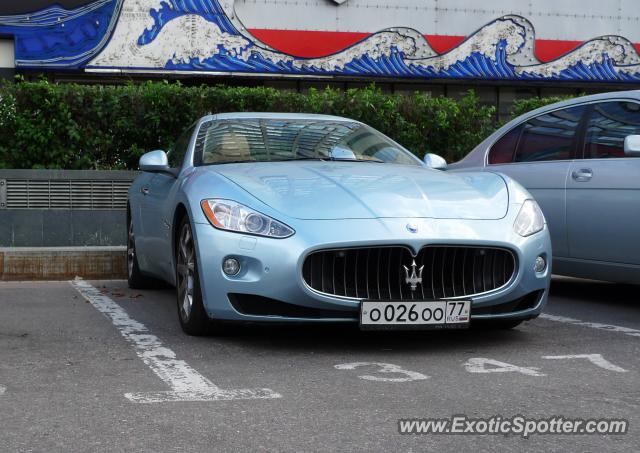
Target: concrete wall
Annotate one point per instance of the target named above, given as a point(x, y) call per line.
point(54, 208)
point(53, 263)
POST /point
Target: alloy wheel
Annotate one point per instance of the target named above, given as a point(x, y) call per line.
point(185, 272)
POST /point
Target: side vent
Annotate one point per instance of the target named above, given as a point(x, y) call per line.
point(64, 194)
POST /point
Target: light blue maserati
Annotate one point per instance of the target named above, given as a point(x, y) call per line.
point(310, 218)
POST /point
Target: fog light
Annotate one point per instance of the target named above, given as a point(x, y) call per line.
point(231, 266)
point(541, 265)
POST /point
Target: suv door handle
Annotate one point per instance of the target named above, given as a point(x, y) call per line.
point(144, 191)
point(582, 175)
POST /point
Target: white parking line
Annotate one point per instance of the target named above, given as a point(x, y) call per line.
point(596, 359)
point(2, 389)
point(185, 382)
point(594, 325)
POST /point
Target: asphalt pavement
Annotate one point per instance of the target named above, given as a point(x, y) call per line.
point(94, 366)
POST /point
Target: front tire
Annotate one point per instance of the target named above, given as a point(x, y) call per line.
point(193, 317)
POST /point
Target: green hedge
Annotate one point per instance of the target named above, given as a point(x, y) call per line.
point(526, 105)
point(44, 125)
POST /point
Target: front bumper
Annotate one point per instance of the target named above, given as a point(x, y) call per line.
point(272, 268)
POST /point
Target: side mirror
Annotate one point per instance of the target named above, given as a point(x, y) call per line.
point(435, 162)
point(156, 162)
point(632, 145)
point(342, 154)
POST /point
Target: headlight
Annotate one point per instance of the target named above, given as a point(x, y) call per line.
point(231, 216)
point(530, 220)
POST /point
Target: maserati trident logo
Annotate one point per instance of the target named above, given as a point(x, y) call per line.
point(415, 277)
point(412, 227)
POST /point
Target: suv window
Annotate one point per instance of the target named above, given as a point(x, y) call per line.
point(549, 137)
point(609, 124)
point(503, 150)
point(179, 148)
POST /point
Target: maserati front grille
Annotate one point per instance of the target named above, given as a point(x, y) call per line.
point(393, 273)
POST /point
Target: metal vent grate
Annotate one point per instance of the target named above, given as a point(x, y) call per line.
point(65, 194)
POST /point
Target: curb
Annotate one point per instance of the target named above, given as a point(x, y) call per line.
point(62, 263)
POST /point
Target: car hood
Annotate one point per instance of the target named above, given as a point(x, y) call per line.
point(365, 190)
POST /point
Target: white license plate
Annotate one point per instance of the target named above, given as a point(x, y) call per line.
point(389, 315)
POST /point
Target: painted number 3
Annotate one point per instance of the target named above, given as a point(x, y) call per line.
point(402, 375)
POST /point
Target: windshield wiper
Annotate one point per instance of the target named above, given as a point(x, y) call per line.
point(298, 158)
point(264, 161)
point(331, 159)
point(319, 159)
point(375, 161)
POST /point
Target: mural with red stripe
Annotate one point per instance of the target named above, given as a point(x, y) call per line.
point(210, 36)
point(314, 44)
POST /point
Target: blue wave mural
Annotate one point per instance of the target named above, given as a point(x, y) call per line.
point(59, 38)
point(172, 9)
point(205, 35)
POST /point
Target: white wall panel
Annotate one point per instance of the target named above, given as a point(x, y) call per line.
point(572, 20)
point(7, 54)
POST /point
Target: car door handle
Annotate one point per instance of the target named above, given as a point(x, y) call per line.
point(582, 175)
point(144, 191)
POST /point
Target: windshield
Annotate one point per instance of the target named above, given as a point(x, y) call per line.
point(272, 140)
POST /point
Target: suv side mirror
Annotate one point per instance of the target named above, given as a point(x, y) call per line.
point(435, 162)
point(156, 162)
point(632, 145)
